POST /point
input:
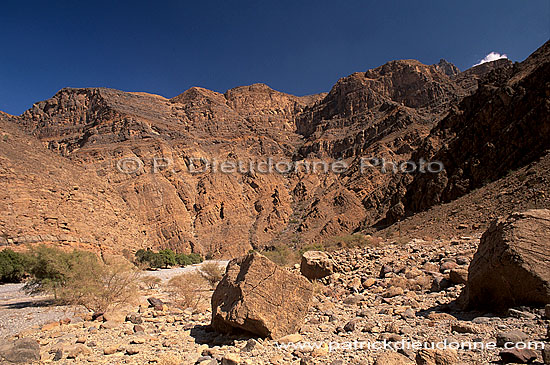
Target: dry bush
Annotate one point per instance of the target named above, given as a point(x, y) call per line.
point(151, 282)
point(81, 278)
point(282, 255)
point(102, 287)
point(188, 290)
point(212, 272)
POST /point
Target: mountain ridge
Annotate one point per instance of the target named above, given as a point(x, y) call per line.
point(388, 112)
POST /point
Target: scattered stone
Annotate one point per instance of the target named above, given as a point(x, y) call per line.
point(109, 325)
point(437, 357)
point(546, 355)
point(260, 297)
point(231, 359)
point(76, 350)
point(316, 265)
point(156, 303)
point(293, 338)
point(458, 276)
point(517, 356)
point(464, 327)
point(392, 358)
point(134, 318)
point(351, 325)
point(132, 350)
point(521, 314)
point(440, 283)
point(367, 283)
point(110, 350)
point(50, 326)
point(511, 337)
point(393, 291)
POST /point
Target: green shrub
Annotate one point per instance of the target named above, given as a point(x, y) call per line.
point(12, 266)
point(195, 258)
point(165, 258)
point(183, 259)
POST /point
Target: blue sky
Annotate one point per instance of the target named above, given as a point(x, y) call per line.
point(299, 47)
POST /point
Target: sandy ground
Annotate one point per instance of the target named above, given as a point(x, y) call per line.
point(19, 311)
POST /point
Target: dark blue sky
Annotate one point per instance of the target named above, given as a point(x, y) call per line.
point(299, 47)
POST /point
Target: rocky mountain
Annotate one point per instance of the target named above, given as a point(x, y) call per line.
point(503, 126)
point(47, 198)
point(480, 123)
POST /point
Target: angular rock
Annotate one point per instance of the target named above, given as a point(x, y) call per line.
point(134, 318)
point(511, 266)
point(465, 327)
point(156, 303)
point(511, 337)
point(257, 296)
point(517, 356)
point(437, 357)
point(458, 276)
point(392, 358)
point(21, 351)
point(231, 359)
point(76, 350)
point(316, 265)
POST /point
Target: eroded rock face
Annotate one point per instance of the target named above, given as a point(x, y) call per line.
point(511, 265)
point(259, 297)
point(511, 114)
point(387, 112)
point(226, 215)
point(316, 265)
point(45, 198)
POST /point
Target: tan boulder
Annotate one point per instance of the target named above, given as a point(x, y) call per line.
point(511, 265)
point(437, 357)
point(257, 296)
point(316, 265)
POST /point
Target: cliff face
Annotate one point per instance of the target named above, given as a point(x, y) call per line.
point(503, 126)
point(386, 112)
point(45, 198)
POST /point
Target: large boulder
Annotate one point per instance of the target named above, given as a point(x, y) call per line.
point(21, 351)
point(511, 266)
point(316, 265)
point(257, 296)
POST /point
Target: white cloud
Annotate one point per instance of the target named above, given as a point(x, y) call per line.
point(493, 56)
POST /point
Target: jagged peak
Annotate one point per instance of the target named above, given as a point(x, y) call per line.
point(447, 67)
point(196, 93)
